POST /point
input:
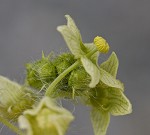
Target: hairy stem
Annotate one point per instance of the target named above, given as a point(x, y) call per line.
point(60, 77)
point(11, 126)
point(50, 89)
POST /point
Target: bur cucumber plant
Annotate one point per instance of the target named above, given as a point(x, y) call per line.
point(74, 75)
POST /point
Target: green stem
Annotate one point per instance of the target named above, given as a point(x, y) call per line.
point(61, 76)
point(11, 126)
point(91, 53)
point(50, 89)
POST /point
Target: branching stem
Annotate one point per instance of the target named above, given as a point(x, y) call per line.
point(60, 77)
point(51, 87)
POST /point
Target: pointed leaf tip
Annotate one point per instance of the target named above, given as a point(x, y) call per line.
point(111, 64)
point(72, 37)
point(110, 81)
point(120, 104)
point(100, 121)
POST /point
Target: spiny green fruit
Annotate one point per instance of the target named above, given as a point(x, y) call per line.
point(79, 79)
point(40, 73)
point(14, 99)
point(62, 62)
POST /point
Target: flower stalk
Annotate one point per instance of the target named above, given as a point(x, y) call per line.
point(50, 89)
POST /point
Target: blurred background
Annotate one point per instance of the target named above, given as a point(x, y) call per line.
point(29, 26)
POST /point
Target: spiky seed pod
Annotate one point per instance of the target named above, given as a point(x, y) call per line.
point(14, 99)
point(79, 79)
point(62, 62)
point(40, 73)
point(101, 44)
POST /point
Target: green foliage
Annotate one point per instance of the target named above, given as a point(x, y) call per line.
point(100, 121)
point(79, 79)
point(112, 100)
point(90, 47)
point(40, 73)
point(14, 99)
point(109, 81)
point(75, 75)
point(72, 37)
point(92, 70)
point(111, 65)
point(46, 118)
point(63, 61)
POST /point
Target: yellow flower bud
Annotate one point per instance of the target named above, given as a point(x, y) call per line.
point(14, 99)
point(101, 44)
point(46, 119)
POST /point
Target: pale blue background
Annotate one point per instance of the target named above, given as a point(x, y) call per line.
point(29, 26)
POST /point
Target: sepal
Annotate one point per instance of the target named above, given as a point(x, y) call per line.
point(45, 119)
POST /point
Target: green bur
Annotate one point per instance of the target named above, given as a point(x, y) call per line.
point(62, 62)
point(40, 73)
point(79, 79)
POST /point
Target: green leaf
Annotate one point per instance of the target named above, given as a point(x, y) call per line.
point(118, 102)
point(71, 40)
point(100, 121)
point(45, 119)
point(89, 47)
point(109, 80)
point(72, 26)
point(9, 91)
point(14, 99)
point(92, 70)
point(72, 37)
point(112, 100)
point(111, 65)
